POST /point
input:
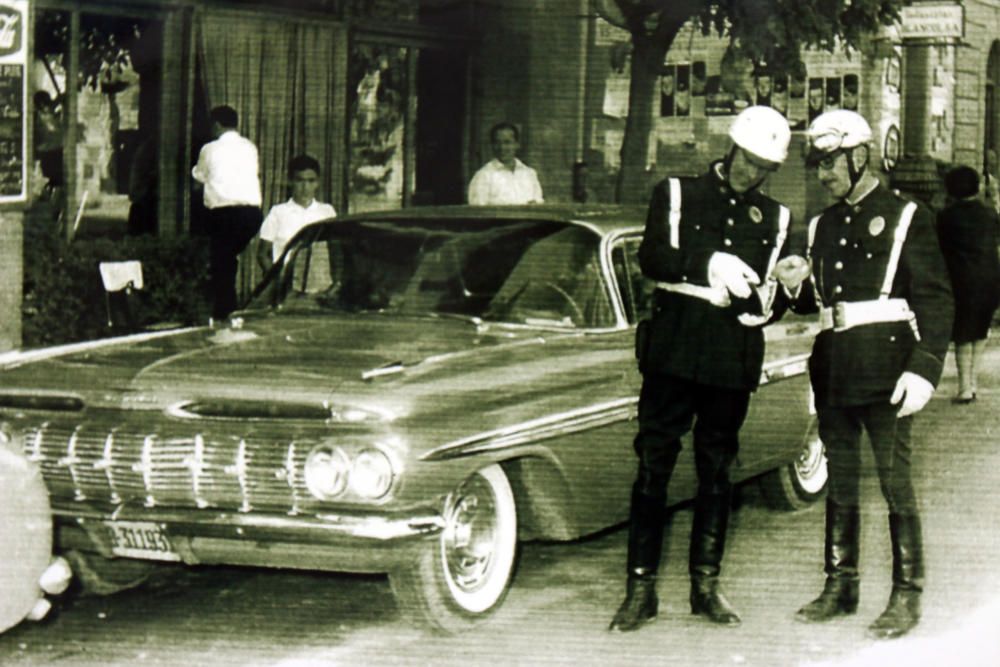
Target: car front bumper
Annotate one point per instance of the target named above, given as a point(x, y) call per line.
point(333, 542)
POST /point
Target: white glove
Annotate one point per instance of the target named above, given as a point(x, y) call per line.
point(791, 271)
point(731, 272)
point(914, 391)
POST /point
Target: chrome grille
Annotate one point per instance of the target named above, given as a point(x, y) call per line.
point(169, 468)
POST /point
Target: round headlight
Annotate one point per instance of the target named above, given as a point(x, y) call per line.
point(326, 472)
point(371, 474)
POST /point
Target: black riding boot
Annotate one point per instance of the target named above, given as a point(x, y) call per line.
point(645, 542)
point(903, 611)
point(708, 542)
point(840, 592)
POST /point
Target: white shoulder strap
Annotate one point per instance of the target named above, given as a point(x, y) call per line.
point(813, 224)
point(902, 228)
point(675, 212)
point(784, 215)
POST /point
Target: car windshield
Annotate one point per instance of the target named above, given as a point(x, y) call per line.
point(522, 272)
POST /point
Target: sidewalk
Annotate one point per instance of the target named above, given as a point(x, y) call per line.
point(960, 493)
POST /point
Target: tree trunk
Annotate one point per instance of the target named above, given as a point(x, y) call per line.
point(648, 52)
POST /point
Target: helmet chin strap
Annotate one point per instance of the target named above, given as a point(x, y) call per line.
point(727, 163)
point(852, 172)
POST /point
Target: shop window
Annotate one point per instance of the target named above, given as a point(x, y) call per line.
point(378, 103)
point(98, 167)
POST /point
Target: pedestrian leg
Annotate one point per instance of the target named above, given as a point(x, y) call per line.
point(664, 415)
point(963, 360)
point(840, 430)
point(720, 415)
point(890, 439)
point(840, 592)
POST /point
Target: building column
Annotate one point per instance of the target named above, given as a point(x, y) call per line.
point(918, 77)
point(11, 278)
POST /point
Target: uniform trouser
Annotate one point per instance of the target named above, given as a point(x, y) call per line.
point(667, 408)
point(230, 229)
point(840, 429)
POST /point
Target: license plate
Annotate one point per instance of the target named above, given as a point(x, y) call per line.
point(140, 539)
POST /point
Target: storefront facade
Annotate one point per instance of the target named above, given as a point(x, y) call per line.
point(358, 85)
point(929, 86)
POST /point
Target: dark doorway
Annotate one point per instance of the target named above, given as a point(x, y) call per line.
point(441, 113)
point(992, 107)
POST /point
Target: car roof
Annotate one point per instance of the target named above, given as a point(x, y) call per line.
point(602, 218)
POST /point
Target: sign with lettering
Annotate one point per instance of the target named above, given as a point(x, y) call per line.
point(13, 100)
point(934, 21)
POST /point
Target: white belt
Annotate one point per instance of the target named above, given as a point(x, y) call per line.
point(717, 296)
point(849, 314)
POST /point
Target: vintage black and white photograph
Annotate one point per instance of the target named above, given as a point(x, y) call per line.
point(489, 332)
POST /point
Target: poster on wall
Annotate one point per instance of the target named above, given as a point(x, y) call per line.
point(13, 100)
point(667, 84)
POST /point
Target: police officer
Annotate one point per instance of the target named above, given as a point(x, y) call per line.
point(708, 242)
point(880, 284)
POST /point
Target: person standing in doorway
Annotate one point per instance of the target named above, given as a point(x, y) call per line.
point(880, 285)
point(709, 242)
point(968, 231)
point(228, 169)
point(505, 180)
point(283, 221)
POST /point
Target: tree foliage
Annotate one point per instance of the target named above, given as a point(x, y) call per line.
point(770, 33)
point(108, 45)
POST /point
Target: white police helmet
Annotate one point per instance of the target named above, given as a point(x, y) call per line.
point(836, 130)
point(763, 132)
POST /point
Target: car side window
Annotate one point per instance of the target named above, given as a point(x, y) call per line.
point(636, 290)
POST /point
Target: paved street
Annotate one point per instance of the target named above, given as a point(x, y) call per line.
point(564, 594)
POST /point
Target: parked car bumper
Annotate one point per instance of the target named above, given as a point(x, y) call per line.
point(368, 542)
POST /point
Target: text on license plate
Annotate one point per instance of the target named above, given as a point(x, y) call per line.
point(140, 539)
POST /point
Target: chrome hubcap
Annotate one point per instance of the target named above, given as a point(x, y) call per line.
point(470, 535)
point(810, 467)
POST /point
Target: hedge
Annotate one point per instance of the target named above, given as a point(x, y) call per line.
point(64, 298)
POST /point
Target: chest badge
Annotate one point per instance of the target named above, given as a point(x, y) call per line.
point(876, 226)
point(755, 214)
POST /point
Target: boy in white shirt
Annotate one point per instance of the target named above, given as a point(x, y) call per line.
point(285, 220)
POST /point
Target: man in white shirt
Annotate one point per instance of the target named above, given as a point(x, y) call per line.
point(284, 221)
point(228, 168)
point(505, 180)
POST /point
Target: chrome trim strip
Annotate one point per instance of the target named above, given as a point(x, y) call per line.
point(784, 368)
point(372, 527)
point(544, 427)
point(17, 358)
point(106, 463)
point(580, 419)
point(607, 247)
point(146, 468)
point(70, 461)
point(196, 464)
point(290, 478)
point(36, 444)
point(240, 470)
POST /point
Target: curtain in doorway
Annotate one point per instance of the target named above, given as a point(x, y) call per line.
point(285, 77)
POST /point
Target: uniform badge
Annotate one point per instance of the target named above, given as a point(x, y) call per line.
point(755, 214)
point(876, 226)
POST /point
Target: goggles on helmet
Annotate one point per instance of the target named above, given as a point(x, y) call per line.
point(824, 147)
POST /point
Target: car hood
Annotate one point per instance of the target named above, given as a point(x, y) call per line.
point(366, 360)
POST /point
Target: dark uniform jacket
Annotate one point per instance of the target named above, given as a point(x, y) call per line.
point(688, 337)
point(850, 253)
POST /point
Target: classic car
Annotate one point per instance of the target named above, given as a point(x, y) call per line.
point(408, 392)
